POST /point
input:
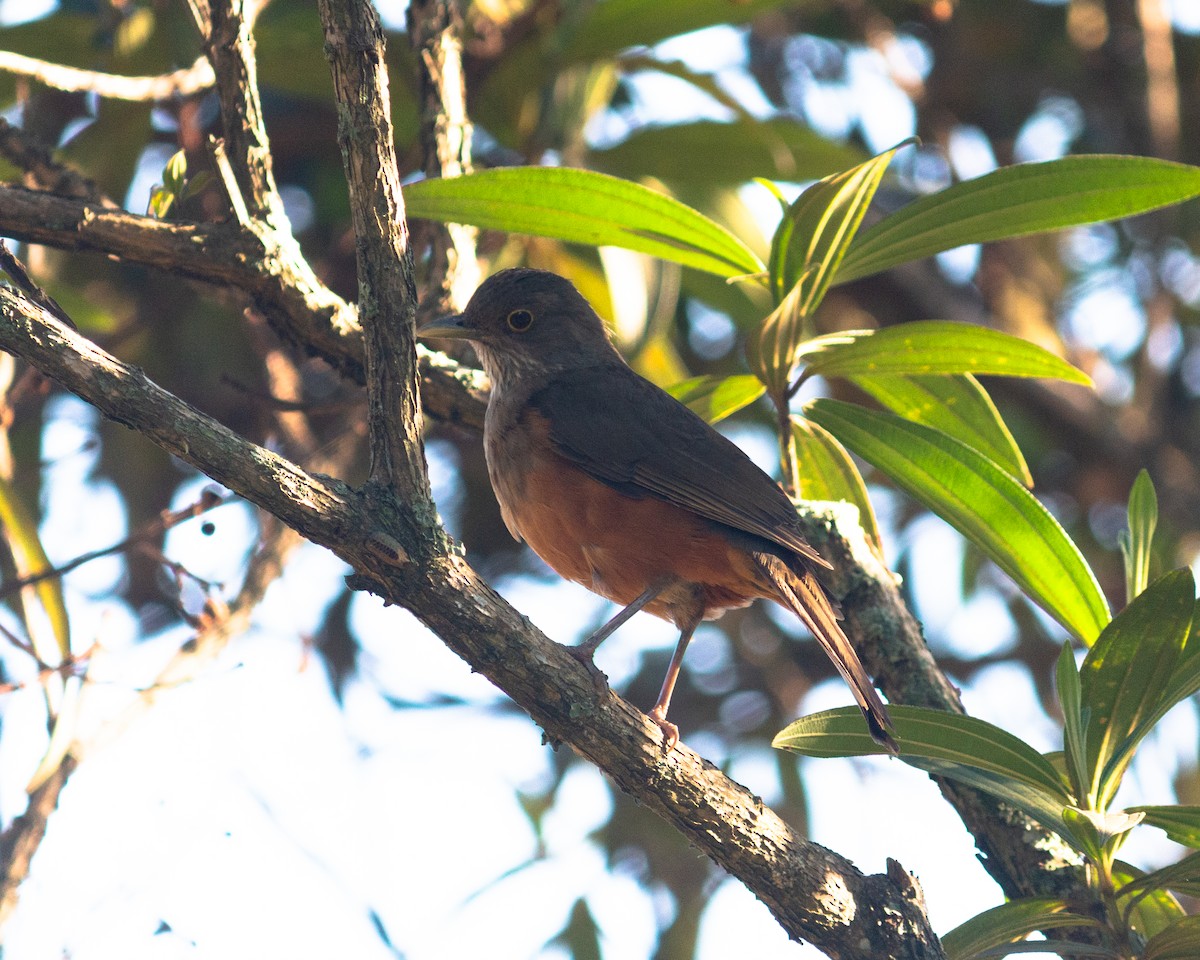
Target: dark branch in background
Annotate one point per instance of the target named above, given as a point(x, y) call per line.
point(43, 171)
point(435, 32)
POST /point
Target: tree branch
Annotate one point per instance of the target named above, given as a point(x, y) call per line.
point(814, 893)
point(111, 86)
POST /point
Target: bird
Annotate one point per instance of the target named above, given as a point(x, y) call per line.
point(621, 488)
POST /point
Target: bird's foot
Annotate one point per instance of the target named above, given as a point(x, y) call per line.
point(584, 653)
point(670, 732)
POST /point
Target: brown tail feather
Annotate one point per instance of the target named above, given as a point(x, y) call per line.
point(802, 593)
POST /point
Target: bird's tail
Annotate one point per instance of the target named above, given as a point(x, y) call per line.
point(800, 590)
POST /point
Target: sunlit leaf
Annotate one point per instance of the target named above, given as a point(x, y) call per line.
point(1179, 941)
point(30, 560)
point(1150, 911)
point(825, 471)
point(1125, 674)
point(934, 346)
point(982, 502)
point(581, 206)
point(812, 239)
point(1178, 876)
point(927, 734)
point(958, 406)
point(807, 248)
point(1009, 923)
point(1138, 538)
point(715, 398)
point(1074, 720)
point(1017, 201)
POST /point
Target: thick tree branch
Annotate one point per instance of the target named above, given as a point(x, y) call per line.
point(814, 893)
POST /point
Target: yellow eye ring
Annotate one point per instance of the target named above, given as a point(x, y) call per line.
point(519, 321)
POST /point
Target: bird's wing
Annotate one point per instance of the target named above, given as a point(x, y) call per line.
point(628, 433)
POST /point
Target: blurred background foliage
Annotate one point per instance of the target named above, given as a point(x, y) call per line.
point(790, 91)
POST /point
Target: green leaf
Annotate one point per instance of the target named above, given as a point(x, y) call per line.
point(581, 206)
point(1009, 923)
point(1179, 941)
point(1074, 721)
point(826, 472)
point(30, 560)
point(1137, 540)
point(982, 502)
point(958, 406)
point(811, 240)
point(715, 398)
point(733, 153)
point(931, 347)
point(1150, 911)
point(1181, 822)
point(1017, 201)
point(805, 252)
point(1184, 873)
point(927, 734)
point(1125, 674)
point(175, 172)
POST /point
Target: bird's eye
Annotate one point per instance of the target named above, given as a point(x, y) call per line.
point(519, 321)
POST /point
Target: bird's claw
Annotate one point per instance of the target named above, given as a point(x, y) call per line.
point(670, 732)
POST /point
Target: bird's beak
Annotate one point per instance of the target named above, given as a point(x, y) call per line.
point(444, 328)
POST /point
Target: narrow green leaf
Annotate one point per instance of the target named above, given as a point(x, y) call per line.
point(819, 227)
point(957, 405)
point(1009, 923)
point(1125, 674)
point(581, 206)
point(927, 734)
point(715, 398)
point(1150, 911)
point(1074, 721)
point(1181, 822)
point(807, 248)
point(934, 346)
point(1183, 873)
point(1017, 201)
point(982, 502)
point(1179, 941)
point(1137, 540)
point(826, 472)
point(29, 560)
point(1185, 678)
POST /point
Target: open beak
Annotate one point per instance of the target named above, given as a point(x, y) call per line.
point(443, 328)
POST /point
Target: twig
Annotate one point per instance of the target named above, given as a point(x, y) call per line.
point(146, 533)
point(111, 86)
point(435, 33)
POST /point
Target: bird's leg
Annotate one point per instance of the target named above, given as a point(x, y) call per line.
point(585, 651)
point(659, 712)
